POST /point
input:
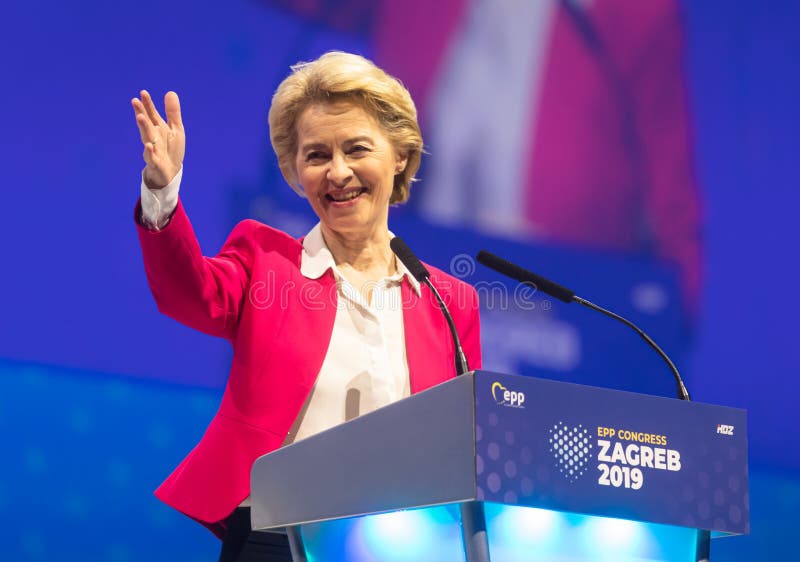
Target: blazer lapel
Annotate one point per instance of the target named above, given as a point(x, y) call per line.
point(429, 351)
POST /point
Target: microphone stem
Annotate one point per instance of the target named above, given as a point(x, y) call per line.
point(683, 394)
point(461, 360)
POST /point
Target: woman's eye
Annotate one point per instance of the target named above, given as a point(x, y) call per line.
point(357, 149)
point(314, 155)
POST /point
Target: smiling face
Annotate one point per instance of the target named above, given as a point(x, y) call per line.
point(346, 166)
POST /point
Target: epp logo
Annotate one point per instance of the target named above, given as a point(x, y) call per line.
point(505, 397)
point(723, 429)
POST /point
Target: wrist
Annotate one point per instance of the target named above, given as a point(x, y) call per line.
point(160, 181)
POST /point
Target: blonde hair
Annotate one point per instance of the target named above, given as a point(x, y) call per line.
point(338, 76)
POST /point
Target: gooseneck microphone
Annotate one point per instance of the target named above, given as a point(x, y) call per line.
point(555, 290)
point(421, 274)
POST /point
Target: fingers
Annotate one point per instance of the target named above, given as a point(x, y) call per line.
point(147, 131)
point(150, 108)
point(172, 107)
point(164, 142)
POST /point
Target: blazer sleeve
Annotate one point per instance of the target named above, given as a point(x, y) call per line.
point(468, 324)
point(204, 293)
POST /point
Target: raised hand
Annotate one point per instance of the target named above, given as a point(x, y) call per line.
point(164, 141)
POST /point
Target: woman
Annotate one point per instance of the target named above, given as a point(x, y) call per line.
point(313, 322)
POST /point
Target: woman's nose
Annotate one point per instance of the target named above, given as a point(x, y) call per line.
point(339, 172)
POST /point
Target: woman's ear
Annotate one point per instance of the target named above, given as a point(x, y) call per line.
point(400, 165)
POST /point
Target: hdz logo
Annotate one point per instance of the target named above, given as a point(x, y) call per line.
point(505, 397)
point(723, 429)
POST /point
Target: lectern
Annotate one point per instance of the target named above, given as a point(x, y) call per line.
point(509, 468)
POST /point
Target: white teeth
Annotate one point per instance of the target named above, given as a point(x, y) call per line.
point(347, 196)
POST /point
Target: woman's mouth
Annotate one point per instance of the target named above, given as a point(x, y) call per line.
point(345, 196)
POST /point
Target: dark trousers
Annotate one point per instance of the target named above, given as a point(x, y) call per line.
point(241, 544)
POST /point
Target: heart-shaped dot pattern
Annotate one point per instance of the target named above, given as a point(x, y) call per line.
point(570, 447)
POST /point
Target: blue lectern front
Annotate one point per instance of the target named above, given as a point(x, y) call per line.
point(509, 468)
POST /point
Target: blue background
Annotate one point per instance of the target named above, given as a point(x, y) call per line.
point(101, 395)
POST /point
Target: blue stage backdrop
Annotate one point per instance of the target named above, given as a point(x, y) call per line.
point(102, 396)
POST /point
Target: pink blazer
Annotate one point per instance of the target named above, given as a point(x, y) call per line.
point(279, 323)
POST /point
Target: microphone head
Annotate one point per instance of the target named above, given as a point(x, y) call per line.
point(412, 263)
point(522, 275)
